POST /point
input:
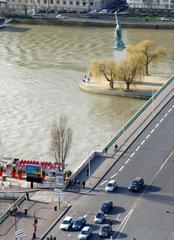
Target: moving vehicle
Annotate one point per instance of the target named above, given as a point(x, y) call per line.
point(99, 217)
point(136, 184)
point(106, 206)
point(85, 233)
point(166, 19)
point(103, 11)
point(60, 17)
point(78, 223)
point(105, 230)
point(66, 223)
point(93, 11)
point(111, 186)
point(4, 21)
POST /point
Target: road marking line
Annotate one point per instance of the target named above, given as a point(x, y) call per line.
point(161, 120)
point(103, 182)
point(170, 110)
point(152, 130)
point(157, 125)
point(137, 148)
point(147, 136)
point(117, 218)
point(142, 142)
point(173, 106)
point(166, 115)
point(114, 175)
point(132, 154)
point(121, 168)
point(127, 161)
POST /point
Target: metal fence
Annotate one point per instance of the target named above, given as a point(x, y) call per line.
point(5, 214)
point(137, 114)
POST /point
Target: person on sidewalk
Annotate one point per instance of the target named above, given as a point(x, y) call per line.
point(83, 184)
point(116, 146)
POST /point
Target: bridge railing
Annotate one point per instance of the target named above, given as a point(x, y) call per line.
point(5, 214)
point(132, 120)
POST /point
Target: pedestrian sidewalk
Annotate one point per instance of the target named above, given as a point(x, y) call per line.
point(42, 206)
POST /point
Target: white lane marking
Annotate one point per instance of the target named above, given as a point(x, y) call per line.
point(114, 175)
point(161, 120)
point(132, 154)
point(152, 130)
point(137, 148)
point(127, 161)
point(166, 115)
point(118, 217)
point(123, 224)
point(69, 234)
point(103, 182)
point(173, 106)
point(142, 142)
point(170, 110)
point(121, 168)
point(147, 136)
point(157, 125)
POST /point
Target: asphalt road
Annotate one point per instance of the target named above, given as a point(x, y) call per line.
point(149, 214)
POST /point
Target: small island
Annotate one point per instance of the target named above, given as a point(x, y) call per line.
point(128, 77)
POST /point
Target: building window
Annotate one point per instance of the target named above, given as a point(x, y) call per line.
point(84, 3)
point(51, 1)
point(45, 1)
point(77, 3)
point(19, 0)
point(71, 2)
point(58, 2)
point(64, 2)
point(38, 1)
point(91, 4)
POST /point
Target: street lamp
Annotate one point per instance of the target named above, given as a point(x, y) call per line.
point(124, 113)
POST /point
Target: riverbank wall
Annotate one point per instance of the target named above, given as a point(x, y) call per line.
point(88, 22)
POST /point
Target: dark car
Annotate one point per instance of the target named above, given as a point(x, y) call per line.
point(106, 206)
point(105, 230)
point(79, 223)
point(136, 184)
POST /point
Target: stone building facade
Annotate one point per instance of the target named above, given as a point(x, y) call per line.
point(77, 5)
point(151, 4)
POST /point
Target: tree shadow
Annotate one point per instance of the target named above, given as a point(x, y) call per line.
point(118, 235)
point(116, 210)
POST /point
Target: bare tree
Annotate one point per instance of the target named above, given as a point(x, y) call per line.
point(61, 139)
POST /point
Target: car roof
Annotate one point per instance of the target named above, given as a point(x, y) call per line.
point(107, 201)
point(138, 178)
point(67, 218)
point(86, 228)
point(112, 181)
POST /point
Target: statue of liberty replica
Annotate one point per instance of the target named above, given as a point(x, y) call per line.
point(119, 44)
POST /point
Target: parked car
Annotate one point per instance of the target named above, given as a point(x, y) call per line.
point(60, 17)
point(79, 223)
point(66, 223)
point(136, 184)
point(93, 11)
point(51, 10)
point(106, 206)
point(99, 217)
point(61, 10)
point(85, 233)
point(166, 19)
point(111, 186)
point(105, 230)
point(103, 11)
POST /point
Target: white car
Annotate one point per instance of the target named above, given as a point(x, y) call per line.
point(103, 11)
point(165, 19)
point(111, 186)
point(60, 17)
point(66, 223)
point(85, 233)
point(99, 217)
point(93, 12)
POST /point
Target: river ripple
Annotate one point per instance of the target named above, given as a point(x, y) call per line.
point(40, 68)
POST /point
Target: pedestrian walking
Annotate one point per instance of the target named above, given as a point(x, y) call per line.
point(87, 172)
point(83, 184)
point(116, 146)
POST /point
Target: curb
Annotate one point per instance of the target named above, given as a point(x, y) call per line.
point(56, 221)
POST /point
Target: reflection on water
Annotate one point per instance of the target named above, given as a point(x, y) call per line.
point(40, 68)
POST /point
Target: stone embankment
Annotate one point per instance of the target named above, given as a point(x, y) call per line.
point(95, 22)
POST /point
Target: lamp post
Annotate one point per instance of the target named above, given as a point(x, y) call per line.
point(124, 113)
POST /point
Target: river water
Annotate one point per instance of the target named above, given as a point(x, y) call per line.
point(40, 69)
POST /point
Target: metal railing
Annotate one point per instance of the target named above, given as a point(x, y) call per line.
point(5, 214)
point(137, 114)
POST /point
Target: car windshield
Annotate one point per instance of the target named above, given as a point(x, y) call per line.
point(105, 229)
point(84, 232)
point(135, 183)
point(99, 215)
point(110, 184)
point(66, 222)
point(78, 222)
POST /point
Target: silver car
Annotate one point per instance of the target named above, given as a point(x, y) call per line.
point(99, 217)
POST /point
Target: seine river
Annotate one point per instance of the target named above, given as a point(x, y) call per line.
point(40, 69)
